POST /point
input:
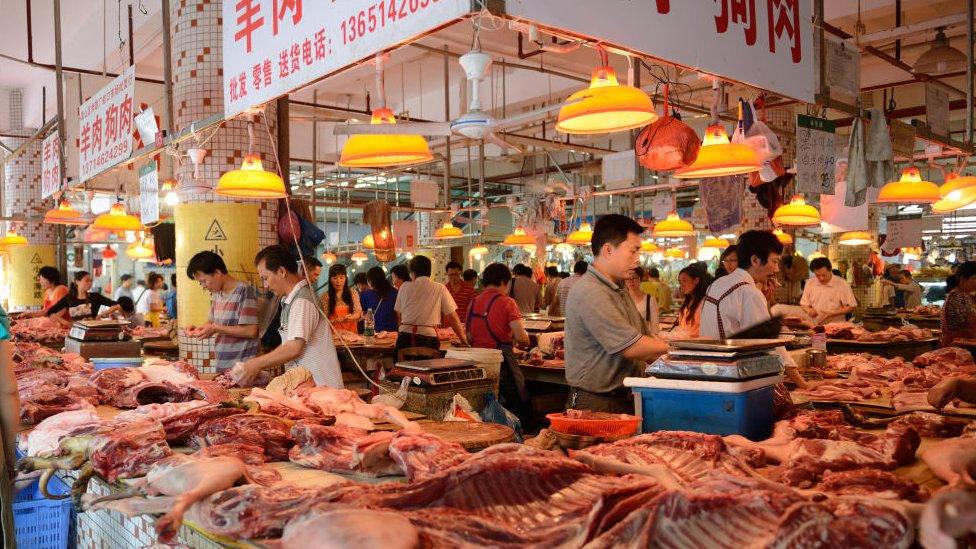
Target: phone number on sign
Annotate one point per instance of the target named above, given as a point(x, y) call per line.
point(378, 15)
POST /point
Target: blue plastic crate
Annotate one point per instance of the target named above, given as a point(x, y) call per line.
point(714, 407)
point(121, 362)
point(41, 523)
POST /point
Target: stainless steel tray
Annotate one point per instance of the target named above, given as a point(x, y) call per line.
point(728, 345)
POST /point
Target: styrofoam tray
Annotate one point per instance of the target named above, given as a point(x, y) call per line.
point(703, 386)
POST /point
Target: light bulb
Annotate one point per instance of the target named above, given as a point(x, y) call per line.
point(172, 198)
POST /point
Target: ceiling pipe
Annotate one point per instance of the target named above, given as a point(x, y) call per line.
point(969, 71)
point(919, 110)
point(30, 34)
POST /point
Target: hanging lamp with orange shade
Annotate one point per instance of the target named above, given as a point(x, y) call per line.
point(909, 189)
point(797, 214)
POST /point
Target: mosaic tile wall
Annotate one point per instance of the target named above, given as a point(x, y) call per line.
point(867, 296)
point(22, 178)
point(198, 94)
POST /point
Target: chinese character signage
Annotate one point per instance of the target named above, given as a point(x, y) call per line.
point(105, 126)
point(814, 155)
point(763, 43)
point(272, 47)
point(149, 193)
point(50, 165)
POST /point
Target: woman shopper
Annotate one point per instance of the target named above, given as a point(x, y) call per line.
point(81, 302)
point(693, 282)
point(646, 304)
point(150, 302)
point(380, 298)
point(959, 312)
point(49, 279)
point(341, 303)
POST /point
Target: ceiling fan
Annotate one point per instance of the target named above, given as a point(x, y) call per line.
point(473, 124)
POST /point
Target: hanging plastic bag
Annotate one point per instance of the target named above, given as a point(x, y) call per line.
point(494, 412)
point(289, 227)
point(668, 143)
point(461, 410)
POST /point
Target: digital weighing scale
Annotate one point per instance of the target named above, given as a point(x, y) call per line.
point(437, 371)
point(97, 330)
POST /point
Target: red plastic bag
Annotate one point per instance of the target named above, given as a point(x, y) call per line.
point(668, 143)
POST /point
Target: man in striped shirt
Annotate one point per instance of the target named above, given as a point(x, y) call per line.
point(461, 291)
point(233, 317)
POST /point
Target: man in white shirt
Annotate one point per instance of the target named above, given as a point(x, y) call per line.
point(734, 302)
point(306, 338)
point(125, 288)
point(826, 298)
point(420, 306)
point(558, 306)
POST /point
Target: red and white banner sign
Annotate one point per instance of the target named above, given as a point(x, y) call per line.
point(50, 165)
point(763, 43)
point(105, 126)
point(272, 47)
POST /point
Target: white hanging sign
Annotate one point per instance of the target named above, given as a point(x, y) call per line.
point(271, 47)
point(937, 109)
point(423, 193)
point(904, 232)
point(814, 155)
point(149, 193)
point(763, 43)
point(105, 126)
point(619, 169)
point(50, 165)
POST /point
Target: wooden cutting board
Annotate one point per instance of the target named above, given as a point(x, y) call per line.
point(472, 435)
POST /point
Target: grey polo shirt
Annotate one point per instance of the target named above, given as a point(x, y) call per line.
point(601, 321)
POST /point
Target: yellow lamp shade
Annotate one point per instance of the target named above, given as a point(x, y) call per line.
point(674, 254)
point(814, 255)
point(12, 240)
point(911, 254)
point(796, 214)
point(478, 252)
point(958, 188)
point(718, 157)
point(855, 238)
point(359, 257)
point(565, 248)
point(329, 258)
point(910, 189)
point(518, 238)
point(368, 242)
point(606, 106)
point(383, 151)
point(140, 250)
point(582, 236)
point(65, 214)
point(783, 238)
point(447, 231)
point(673, 226)
point(649, 247)
point(712, 242)
point(251, 181)
point(117, 219)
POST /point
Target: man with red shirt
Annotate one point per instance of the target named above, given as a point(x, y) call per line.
point(461, 291)
point(493, 321)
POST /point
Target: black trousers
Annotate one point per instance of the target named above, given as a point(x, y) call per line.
point(406, 340)
point(620, 401)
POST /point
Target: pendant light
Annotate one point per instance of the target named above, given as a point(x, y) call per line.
point(648, 247)
point(359, 258)
point(382, 150)
point(674, 254)
point(582, 236)
point(368, 242)
point(796, 214)
point(673, 227)
point(909, 189)
point(448, 231)
point(855, 238)
point(478, 252)
point(108, 253)
point(719, 157)
point(911, 254)
point(565, 248)
point(65, 214)
point(717, 243)
point(957, 192)
point(940, 58)
point(251, 181)
point(117, 219)
point(170, 196)
point(815, 255)
point(606, 106)
point(141, 250)
point(518, 238)
point(12, 240)
point(783, 238)
point(329, 258)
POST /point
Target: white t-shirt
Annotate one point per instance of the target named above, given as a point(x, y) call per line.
point(306, 323)
point(836, 293)
point(421, 303)
point(144, 301)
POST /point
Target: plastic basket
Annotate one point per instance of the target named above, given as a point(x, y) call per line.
point(607, 428)
point(41, 523)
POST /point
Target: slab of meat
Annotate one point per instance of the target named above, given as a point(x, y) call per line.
point(279, 405)
point(337, 402)
point(126, 449)
point(422, 455)
point(39, 380)
point(362, 528)
point(947, 356)
point(42, 406)
point(269, 432)
point(251, 511)
point(689, 456)
point(808, 459)
point(932, 425)
point(843, 390)
point(43, 439)
point(158, 392)
point(115, 382)
point(42, 329)
point(181, 419)
point(341, 449)
point(872, 483)
point(159, 411)
point(174, 372)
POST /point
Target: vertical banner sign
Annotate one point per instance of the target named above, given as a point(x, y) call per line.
point(764, 43)
point(272, 47)
point(902, 138)
point(105, 126)
point(937, 109)
point(149, 193)
point(50, 165)
point(814, 155)
point(405, 234)
point(904, 231)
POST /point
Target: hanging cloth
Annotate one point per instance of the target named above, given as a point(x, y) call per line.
point(857, 168)
point(377, 214)
point(877, 150)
